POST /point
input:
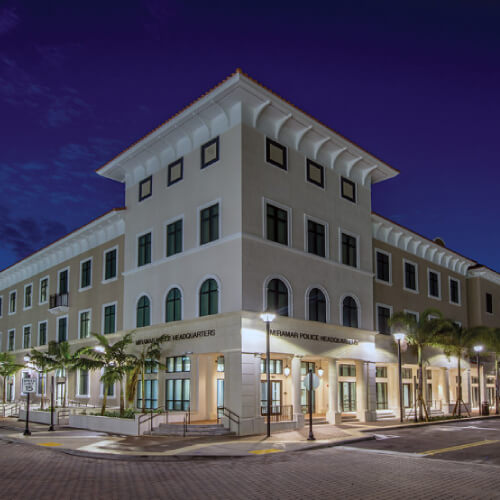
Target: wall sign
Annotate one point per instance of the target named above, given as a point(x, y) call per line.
point(180, 336)
point(314, 337)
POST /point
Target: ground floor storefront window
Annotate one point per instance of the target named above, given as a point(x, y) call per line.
point(408, 395)
point(150, 392)
point(178, 394)
point(347, 394)
point(382, 400)
point(276, 392)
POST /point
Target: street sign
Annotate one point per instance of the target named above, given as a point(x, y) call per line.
point(315, 381)
point(29, 385)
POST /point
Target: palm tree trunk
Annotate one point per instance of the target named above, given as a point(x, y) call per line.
point(420, 384)
point(104, 398)
point(122, 398)
point(459, 399)
point(143, 390)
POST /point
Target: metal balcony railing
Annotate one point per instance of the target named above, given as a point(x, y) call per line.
point(59, 300)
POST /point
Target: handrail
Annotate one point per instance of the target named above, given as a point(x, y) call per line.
point(231, 415)
point(153, 412)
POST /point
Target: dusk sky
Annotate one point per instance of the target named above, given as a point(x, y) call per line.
point(415, 83)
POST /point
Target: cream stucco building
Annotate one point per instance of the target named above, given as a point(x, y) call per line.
point(238, 204)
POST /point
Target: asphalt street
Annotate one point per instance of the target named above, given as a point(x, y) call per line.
point(476, 441)
point(39, 473)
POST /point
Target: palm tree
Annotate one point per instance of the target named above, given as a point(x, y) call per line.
point(113, 359)
point(8, 367)
point(59, 357)
point(457, 341)
point(492, 340)
point(145, 361)
point(420, 334)
point(42, 364)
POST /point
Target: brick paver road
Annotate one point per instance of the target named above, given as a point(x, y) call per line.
point(28, 472)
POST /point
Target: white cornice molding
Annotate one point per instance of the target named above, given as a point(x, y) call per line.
point(485, 273)
point(237, 100)
point(96, 233)
point(399, 237)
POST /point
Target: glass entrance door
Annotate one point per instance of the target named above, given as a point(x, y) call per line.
point(220, 397)
point(347, 394)
point(275, 397)
point(59, 393)
point(407, 395)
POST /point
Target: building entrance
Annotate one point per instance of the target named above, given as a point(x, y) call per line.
point(347, 395)
point(275, 396)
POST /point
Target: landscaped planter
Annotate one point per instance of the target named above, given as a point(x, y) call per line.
point(41, 417)
point(126, 426)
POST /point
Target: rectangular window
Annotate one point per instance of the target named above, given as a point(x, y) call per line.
point(381, 371)
point(109, 319)
point(454, 291)
point(407, 395)
point(84, 325)
point(178, 394)
point(410, 276)
point(315, 173)
point(1, 307)
point(276, 154)
point(83, 382)
point(277, 224)
point(151, 366)
point(382, 400)
point(209, 224)
point(175, 171)
point(349, 251)
point(306, 366)
point(220, 364)
point(151, 396)
point(177, 364)
point(63, 282)
point(44, 290)
point(174, 238)
point(434, 284)
point(347, 370)
point(210, 152)
point(146, 188)
point(429, 374)
point(28, 292)
point(348, 189)
point(62, 329)
point(383, 316)
point(41, 387)
point(383, 267)
point(12, 302)
point(110, 264)
point(489, 303)
point(316, 238)
point(11, 344)
point(86, 274)
point(406, 373)
point(275, 366)
point(144, 250)
point(26, 337)
point(42, 333)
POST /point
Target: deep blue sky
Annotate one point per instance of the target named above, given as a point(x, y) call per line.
point(415, 83)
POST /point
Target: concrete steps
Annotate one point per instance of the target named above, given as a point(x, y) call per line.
point(192, 430)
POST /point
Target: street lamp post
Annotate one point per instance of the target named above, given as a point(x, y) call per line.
point(399, 337)
point(51, 428)
point(478, 349)
point(268, 318)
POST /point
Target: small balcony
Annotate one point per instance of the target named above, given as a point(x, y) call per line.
point(59, 303)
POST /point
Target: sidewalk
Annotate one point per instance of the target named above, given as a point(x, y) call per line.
point(102, 445)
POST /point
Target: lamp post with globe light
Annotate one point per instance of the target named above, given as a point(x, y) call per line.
point(268, 318)
point(400, 337)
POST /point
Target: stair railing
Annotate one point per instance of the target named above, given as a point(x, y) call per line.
point(230, 415)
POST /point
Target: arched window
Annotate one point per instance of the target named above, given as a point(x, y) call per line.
point(317, 305)
point(209, 298)
point(277, 297)
point(173, 305)
point(143, 312)
point(350, 312)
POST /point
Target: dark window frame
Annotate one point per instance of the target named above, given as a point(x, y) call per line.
point(211, 295)
point(144, 249)
point(174, 237)
point(454, 291)
point(143, 183)
point(383, 268)
point(382, 320)
point(110, 264)
point(143, 312)
point(350, 312)
point(207, 145)
point(107, 318)
point(275, 292)
point(347, 246)
point(275, 220)
point(170, 182)
point(210, 217)
point(343, 182)
point(86, 273)
point(410, 277)
point(489, 303)
point(172, 301)
point(317, 304)
point(314, 237)
point(270, 142)
point(310, 163)
point(434, 288)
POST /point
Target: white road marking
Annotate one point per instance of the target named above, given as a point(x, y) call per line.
point(383, 452)
point(380, 437)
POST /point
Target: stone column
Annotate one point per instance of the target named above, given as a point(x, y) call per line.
point(365, 391)
point(484, 388)
point(333, 415)
point(298, 416)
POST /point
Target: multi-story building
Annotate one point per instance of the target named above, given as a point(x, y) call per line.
point(239, 204)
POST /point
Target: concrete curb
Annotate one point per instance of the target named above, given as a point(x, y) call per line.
point(380, 430)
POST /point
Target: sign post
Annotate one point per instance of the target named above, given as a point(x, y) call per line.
point(29, 386)
point(51, 428)
point(311, 383)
